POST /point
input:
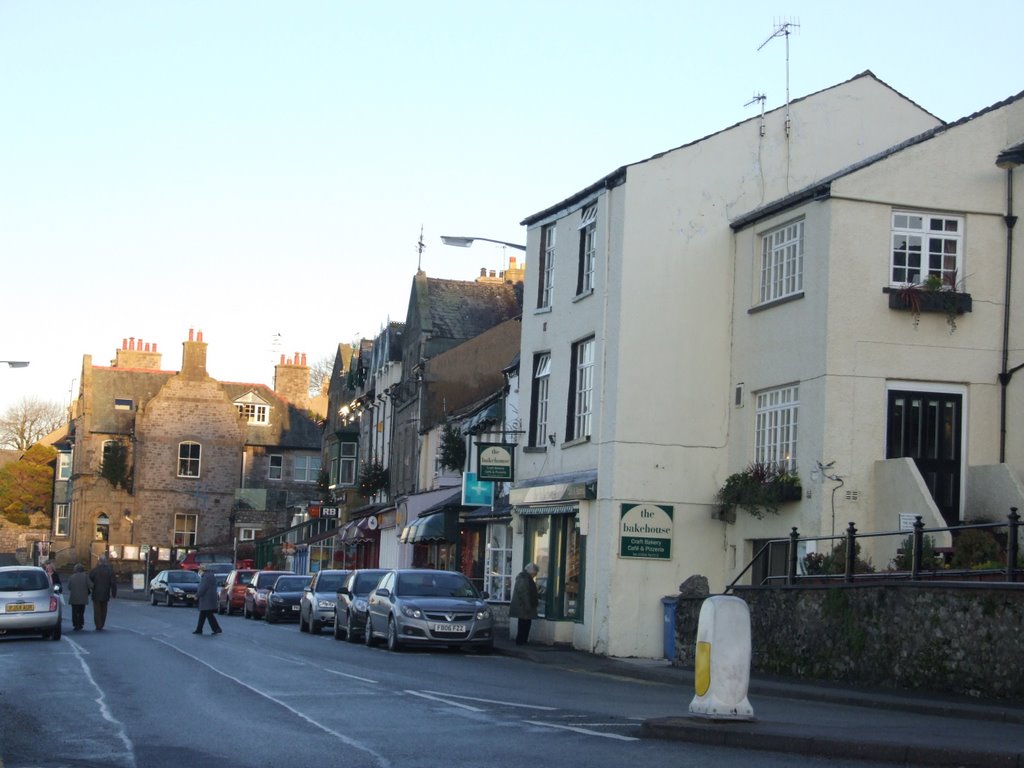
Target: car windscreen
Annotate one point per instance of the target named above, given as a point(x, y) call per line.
point(288, 584)
point(16, 581)
point(330, 583)
point(365, 582)
point(265, 580)
point(434, 585)
point(245, 578)
point(183, 577)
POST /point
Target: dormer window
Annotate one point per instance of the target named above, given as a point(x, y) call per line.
point(253, 409)
point(122, 403)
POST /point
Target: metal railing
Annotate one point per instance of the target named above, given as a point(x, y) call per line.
point(849, 540)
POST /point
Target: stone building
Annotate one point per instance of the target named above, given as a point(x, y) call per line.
point(168, 461)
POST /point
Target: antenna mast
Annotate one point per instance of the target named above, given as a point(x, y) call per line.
point(420, 246)
point(761, 98)
point(782, 29)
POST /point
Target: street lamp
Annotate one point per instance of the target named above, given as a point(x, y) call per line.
point(15, 363)
point(465, 242)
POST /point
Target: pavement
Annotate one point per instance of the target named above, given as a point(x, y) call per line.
point(907, 728)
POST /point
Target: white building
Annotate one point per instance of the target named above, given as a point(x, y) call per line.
point(627, 355)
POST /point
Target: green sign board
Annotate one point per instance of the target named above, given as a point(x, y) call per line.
point(645, 531)
point(496, 462)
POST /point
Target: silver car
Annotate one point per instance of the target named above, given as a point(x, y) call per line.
point(425, 607)
point(316, 608)
point(29, 603)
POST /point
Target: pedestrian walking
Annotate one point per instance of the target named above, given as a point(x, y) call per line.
point(206, 600)
point(525, 600)
point(79, 587)
point(104, 587)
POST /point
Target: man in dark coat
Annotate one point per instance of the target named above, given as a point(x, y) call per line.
point(104, 587)
point(78, 595)
point(206, 600)
point(525, 600)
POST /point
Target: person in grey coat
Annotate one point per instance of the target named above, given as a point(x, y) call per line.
point(525, 599)
point(79, 588)
point(104, 587)
point(206, 601)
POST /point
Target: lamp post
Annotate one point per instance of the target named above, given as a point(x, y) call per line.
point(15, 363)
point(465, 242)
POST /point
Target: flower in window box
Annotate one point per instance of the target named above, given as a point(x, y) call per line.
point(759, 489)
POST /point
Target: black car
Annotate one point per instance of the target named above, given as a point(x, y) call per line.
point(283, 599)
point(350, 610)
point(172, 587)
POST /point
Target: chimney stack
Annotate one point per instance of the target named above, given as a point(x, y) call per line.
point(291, 380)
point(134, 354)
point(193, 356)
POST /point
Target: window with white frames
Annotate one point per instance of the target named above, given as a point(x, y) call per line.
point(925, 244)
point(275, 469)
point(782, 261)
point(247, 534)
point(254, 413)
point(347, 468)
point(539, 399)
point(546, 282)
point(61, 519)
point(64, 465)
point(307, 468)
point(189, 455)
point(185, 530)
point(776, 425)
point(581, 390)
point(588, 250)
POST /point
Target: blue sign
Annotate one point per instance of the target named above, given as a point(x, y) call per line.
point(476, 493)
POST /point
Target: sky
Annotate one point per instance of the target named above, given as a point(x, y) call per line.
point(261, 171)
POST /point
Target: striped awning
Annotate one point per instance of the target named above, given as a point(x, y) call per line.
point(547, 509)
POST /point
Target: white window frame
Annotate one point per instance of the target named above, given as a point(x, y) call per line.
point(775, 430)
point(583, 388)
point(275, 466)
point(188, 465)
point(782, 261)
point(64, 465)
point(925, 244)
point(61, 520)
point(256, 414)
point(186, 526)
point(547, 274)
point(588, 249)
point(306, 469)
point(541, 395)
point(247, 534)
point(347, 463)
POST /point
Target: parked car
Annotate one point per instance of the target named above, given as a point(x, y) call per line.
point(422, 607)
point(193, 560)
point(350, 612)
point(172, 587)
point(283, 598)
point(316, 609)
point(29, 603)
point(255, 601)
point(231, 596)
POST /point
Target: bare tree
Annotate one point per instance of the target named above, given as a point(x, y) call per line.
point(25, 423)
point(318, 372)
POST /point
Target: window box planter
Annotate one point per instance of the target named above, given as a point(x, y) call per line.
point(917, 299)
point(759, 489)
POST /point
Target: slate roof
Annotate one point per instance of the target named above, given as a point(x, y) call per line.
point(460, 309)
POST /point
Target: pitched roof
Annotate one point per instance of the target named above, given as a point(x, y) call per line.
point(462, 309)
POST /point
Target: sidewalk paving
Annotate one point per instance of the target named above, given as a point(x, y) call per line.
point(823, 719)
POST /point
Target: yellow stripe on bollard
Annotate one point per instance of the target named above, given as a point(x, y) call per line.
point(702, 669)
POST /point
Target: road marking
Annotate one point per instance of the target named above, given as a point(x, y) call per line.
point(584, 731)
point(493, 701)
point(342, 674)
point(424, 695)
point(101, 699)
point(381, 760)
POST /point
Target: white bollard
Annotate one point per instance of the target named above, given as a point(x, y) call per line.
point(722, 664)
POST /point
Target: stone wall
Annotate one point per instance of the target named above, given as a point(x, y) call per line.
point(966, 639)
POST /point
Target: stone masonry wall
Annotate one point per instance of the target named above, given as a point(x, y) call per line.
point(967, 639)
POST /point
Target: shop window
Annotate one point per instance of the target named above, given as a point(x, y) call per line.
point(554, 543)
point(498, 562)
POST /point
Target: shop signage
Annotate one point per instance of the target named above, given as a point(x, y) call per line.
point(645, 531)
point(329, 512)
point(496, 461)
point(476, 492)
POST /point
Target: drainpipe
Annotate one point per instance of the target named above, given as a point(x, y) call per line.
point(1007, 160)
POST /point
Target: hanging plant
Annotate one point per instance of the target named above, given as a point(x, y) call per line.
point(759, 489)
point(373, 478)
point(453, 449)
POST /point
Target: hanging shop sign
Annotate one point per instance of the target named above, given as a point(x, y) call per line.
point(496, 462)
point(645, 531)
point(476, 492)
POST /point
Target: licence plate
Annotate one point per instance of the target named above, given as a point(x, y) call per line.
point(295, 607)
point(453, 628)
point(20, 607)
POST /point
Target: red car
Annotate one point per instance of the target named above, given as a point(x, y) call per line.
point(231, 596)
point(254, 605)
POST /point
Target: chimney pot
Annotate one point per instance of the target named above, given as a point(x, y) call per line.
point(282, 358)
point(154, 346)
point(131, 342)
point(199, 336)
point(124, 343)
point(303, 358)
point(191, 334)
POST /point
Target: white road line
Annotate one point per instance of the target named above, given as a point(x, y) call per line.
point(381, 760)
point(101, 699)
point(584, 731)
point(493, 701)
point(444, 701)
point(351, 677)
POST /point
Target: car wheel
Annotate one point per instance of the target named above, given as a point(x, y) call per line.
point(271, 619)
point(486, 649)
point(302, 623)
point(55, 635)
point(314, 626)
point(152, 598)
point(168, 600)
point(393, 642)
point(338, 633)
point(350, 631)
point(220, 609)
point(368, 633)
point(245, 611)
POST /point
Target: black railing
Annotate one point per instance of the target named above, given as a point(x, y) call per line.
point(847, 544)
